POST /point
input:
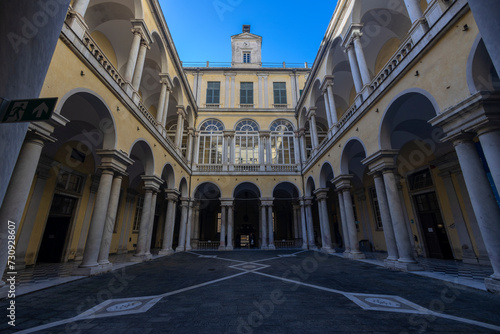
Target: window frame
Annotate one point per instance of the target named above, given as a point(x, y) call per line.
point(280, 95)
point(246, 99)
point(212, 97)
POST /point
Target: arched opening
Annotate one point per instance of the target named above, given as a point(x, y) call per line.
point(207, 227)
point(246, 215)
point(481, 73)
point(286, 222)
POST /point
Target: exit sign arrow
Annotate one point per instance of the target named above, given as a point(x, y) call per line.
point(32, 110)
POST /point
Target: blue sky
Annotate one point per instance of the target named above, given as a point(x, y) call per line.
point(292, 30)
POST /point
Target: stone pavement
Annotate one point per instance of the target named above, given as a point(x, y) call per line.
point(286, 291)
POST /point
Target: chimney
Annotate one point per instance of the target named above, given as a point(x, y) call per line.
point(246, 28)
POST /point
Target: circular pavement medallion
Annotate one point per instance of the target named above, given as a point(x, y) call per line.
point(123, 306)
point(383, 302)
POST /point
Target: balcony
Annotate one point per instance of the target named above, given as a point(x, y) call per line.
point(280, 106)
point(247, 168)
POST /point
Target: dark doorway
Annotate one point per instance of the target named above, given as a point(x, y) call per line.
point(56, 229)
point(246, 220)
point(433, 229)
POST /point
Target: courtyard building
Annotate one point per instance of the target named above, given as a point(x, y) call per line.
point(389, 142)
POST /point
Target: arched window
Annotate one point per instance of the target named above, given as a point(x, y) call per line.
point(210, 143)
point(282, 143)
point(246, 143)
point(171, 128)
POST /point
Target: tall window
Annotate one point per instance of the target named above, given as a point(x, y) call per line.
point(282, 143)
point(279, 93)
point(246, 93)
point(247, 143)
point(246, 57)
point(210, 143)
point(213, 92)
point(376, 209)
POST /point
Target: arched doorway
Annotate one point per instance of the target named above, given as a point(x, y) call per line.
point(207, 221)
point(286, 222)
point(246, 215)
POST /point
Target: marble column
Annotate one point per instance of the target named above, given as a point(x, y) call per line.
point(333, 108)
point(139, 66)
point(109, 225)
point(94, 236)
point(230, 227)
point(189, 226)
point(356, 75)
point(385, 215)
point(88, 216)
point(360, 56)
point(196, 225)
point(181, 247)
point(345, 230)
point(484, 203)
point(303, 224)
point(328, 109)
point(302, 141)
point(165, 108)
point(132, 56)
point(324, 221)
point(296, 229)
point(222, 245)
point(270, 226)
point(169, 224)
point(405, 251)
point(263, 212)
point(149, 239)
point(190, 142)
point(310, 226)
point(414, 10)
point(313, 128)
point(180, 127)
point(161, 101)
point(43, 173)
point(80, 6)
point(351, 225)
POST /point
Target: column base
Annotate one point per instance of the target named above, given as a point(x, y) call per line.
point(229, 248)
point(313, 248)
point(408, 266)
point(418, 30)
point(188, 248)
point(180, 249)
point(492, 285)
point(136, 97)
point(122, 251)
point(166, 252)
point(77, 24)
point(347, 254)
point(141, 257)
point(222, 248)
point(304, 246)
point(327, 250)
point(391, 264)
point(264, 247)
point(129, 90)
point(357, 256)
point(271, 247)
point(91, 271)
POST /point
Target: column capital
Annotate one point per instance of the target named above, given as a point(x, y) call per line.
point(228, 133)
point(139, 26)
point(476, 112)
point(262, 74)
point(311, 113)
point(115, 160)
point(181, 111)
point(172, 195)
point(308, 200)
point(191, 131)
point(152, 182)
point(227, 202)
point(230, 74)
point(353, 32)
point(381, 160)
point(265, 133)
point(343, 182)
point(321, 194)
point(184, 202)
point(166, 80)
point(327, 82)
point(266, 201)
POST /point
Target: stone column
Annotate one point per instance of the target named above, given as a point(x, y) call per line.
point(226, 92)
point(139, 66)
point(189, 152)
point(360, 56)
point(324, 221)
point(266, 91)
point(181, 247)
point(165, 108)
point(345, 230)
point(333, 107)
point(263, 212)
point(80, 6)
point(312, 128)
point(490, 142)
point(180, 127)
point(169, 224)
point(390, 238)
point(88, 215)
point(149, 239)
point(161, 101)
point(196, 225)
point(260, 79)
point(222, 245)
point(296, 229)
point(109, 225)
point(151, 184)
point(262, 151)
point(351, 225)
point(310, 226)
point(403, 243)
point(356, 75)
point(233, 90)
point(270, 226)
point(94, 236)
point(189, 226)
point(43, 173)
point(296, 148)
point(230, 227)
point(414, 10)
point(303, 224)
point(328, 109)
point(132, 56)
point(302, 140)
point(484, 203)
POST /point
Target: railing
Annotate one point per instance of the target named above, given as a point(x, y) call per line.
point(210, 168)
point(146, 113)
point(347, 116)
point(246, 105)
point(208, 244)
point(280, 106)
point(212, 105)
point(246, 168)
point(285, 244)
point(283, 168)
point(401, 54)
point(97, 53)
